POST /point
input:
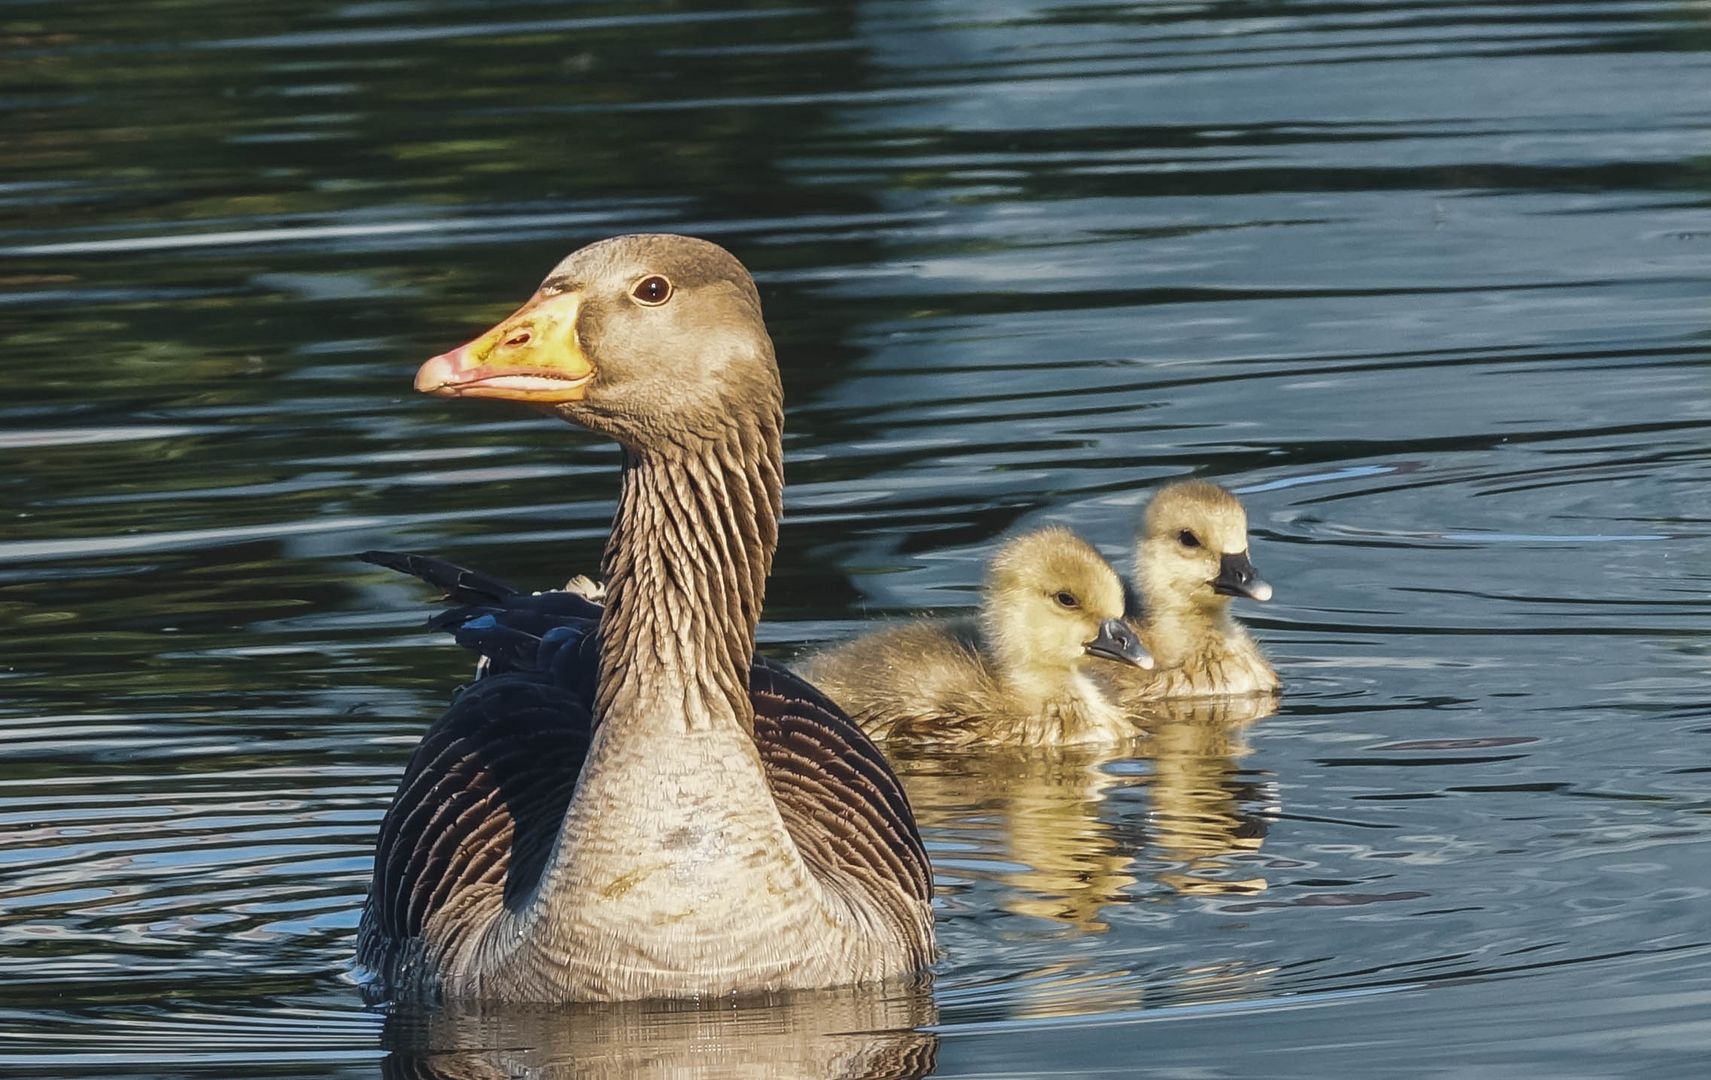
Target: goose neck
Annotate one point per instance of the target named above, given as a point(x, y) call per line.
point(686, 568)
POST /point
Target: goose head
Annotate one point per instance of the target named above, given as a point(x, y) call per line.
point(650, 338)
point(1193, 549)
point(1050, 603)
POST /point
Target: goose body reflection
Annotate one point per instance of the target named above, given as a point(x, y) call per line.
point(1191, 560)
point(634, 813)
point(850, 1032)
point(1051, 609)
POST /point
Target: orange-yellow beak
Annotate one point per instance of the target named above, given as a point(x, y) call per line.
point(532, 356)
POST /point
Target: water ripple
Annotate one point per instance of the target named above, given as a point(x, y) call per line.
point(1424, 282)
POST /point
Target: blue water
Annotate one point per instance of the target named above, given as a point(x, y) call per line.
point(1425, 282)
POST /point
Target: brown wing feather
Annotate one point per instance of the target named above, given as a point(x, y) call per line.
point(843, 805)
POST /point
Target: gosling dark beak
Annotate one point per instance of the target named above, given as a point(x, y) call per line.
point(1237, 577)
point(1118, 641)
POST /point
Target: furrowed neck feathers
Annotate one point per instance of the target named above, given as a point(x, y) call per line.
point(686, 568)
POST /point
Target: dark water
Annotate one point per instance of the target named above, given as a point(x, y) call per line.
point(1427, 282)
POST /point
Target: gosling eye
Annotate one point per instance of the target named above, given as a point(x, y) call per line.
point(1067, 601)
point(652, 290)
point(1188, 539)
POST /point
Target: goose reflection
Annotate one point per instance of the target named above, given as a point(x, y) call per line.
point(852, 1032)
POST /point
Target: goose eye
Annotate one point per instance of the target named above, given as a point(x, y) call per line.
point(652, 290)
point(1067, 600)
point(521, 337)
point(1188, 539)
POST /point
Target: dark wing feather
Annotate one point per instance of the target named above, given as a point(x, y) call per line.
point(480, 802)
point(483, 795)
point(460, 583)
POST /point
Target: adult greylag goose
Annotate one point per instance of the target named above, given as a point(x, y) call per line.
point(1191, 560)
point(1051, 607)
point(620, 808)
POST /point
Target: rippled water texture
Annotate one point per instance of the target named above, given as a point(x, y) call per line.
point(1426, 282)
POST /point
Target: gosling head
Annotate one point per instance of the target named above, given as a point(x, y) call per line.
point(1193, 549)
point(648, 338)
point(1051, 602)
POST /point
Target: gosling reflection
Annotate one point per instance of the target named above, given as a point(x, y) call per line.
point(1031, 819)
point(852, 1032)
point(1061, 828)
point(1202, 811)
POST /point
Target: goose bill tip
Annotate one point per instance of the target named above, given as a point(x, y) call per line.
point(440, 375)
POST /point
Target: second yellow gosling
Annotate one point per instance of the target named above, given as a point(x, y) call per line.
point(1191, 560)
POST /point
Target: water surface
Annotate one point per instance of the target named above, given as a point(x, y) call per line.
point(1424, 281)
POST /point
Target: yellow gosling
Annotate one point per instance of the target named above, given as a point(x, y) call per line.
point(1051, 609)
